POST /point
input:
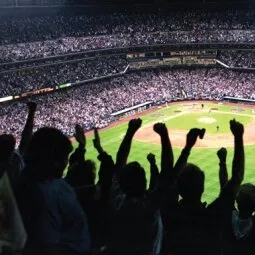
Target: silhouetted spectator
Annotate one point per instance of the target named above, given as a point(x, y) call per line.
point(136, 221)
point(53, 217)
point(92, 196)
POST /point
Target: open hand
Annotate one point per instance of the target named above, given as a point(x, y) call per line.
point(31, 106)
point(160, 128)
point(236, 128)
point(80, 135)
point(151, 158)
point(222, 154)
point(134, 125)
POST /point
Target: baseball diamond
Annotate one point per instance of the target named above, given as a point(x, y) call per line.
point(178, 123)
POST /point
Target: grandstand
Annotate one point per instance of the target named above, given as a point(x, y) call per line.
point(148, 77)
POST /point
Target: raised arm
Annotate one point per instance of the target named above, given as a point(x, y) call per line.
point(79, 154)
point(167, 158)
point(106, 167)
point(191, 139)
point(117, 193)
point(223, 173)
point(97, 142)
point(125, 146)
point(28, 129)
point(237, 130)
point(154, 171)
point(225, 202)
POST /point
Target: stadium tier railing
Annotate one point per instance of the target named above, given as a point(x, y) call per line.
point(238, 100)
point(222, 64)
point(132, 110)
point(235, 68)
point(139, 48)
point(62, 86)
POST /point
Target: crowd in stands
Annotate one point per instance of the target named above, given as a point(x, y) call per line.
point(232, 58)
point(8, 66)
point(17, 82)
point(114, 210)
point(14, 83)
point(14, 52)
point(35, 37)
point(216, 83)
point(41, 28)
point(93, 103)
point(243, 59)
point(120, 213)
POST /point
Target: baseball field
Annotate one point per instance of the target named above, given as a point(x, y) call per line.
point(179, 118)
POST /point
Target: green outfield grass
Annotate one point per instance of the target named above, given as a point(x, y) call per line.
point(206, 159)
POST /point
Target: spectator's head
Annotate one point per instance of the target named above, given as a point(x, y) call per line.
point(7, 146)
point(191, 183)
point(47, 154)
point(81, 174)
point(133, 180)
point(246, 200)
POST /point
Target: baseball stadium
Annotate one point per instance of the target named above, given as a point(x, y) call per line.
point(127, 127)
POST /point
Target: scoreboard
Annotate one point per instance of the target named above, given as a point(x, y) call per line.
point(165, 54)
point(172, 58)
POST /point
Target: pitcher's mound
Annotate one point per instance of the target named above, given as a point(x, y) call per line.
point(207, 120)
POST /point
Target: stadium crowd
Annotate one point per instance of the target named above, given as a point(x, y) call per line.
point(17, 82)
point(14, 52)
point(43, 36)
point(119, 214)
point(40, 28)
point(93, 103)
point(243, 59)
